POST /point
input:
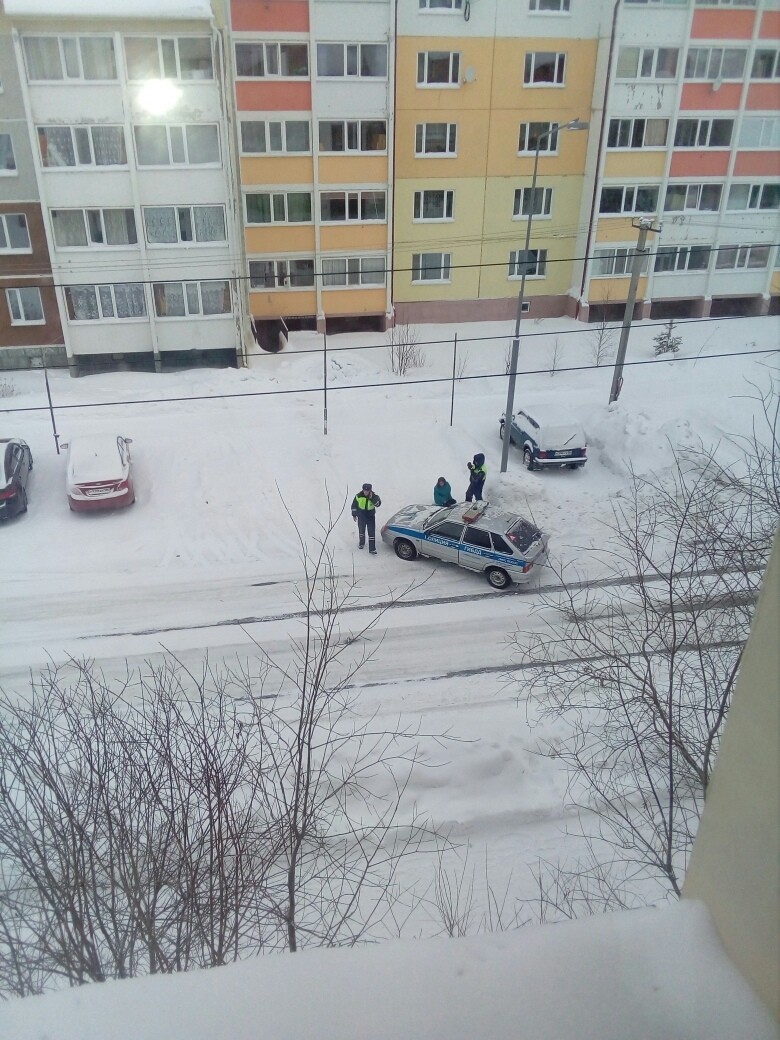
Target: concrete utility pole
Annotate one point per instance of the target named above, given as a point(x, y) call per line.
point(645, 225)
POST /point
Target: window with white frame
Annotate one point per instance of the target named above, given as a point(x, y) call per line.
point(434, 204)
point(121, 301)
point(637, 133)
point(7, 157)
point(545, 135)
point(647, 63)
point(168, 57)
point(184, 225)
point(272, 60)
point(80, 228)
point(660, 3)
point(543, 68)
point(441, 5)
point(438, 69)
point(693, 198)
point(532, 263)
point(71, 58)
point(437, 139)
point(431, 267)
point(353, 271)
point(278, 207)
point(754, 196)
point(360, 206)
point(93, 145)
point(275, 136)
point(297, 273)
point(703, 133)
point(352, 60)
point(735, 258)
point(759, 132)
point(766, 64)
point(615, 261)
point(192, 299)
point(193, 144)
point(538, 205)
point(711, 63)
point(682, 258)
point(725, 3)
point(14, 233)
point(550, 6)
point(629, 198)
point(25, 306)
point(353, 135)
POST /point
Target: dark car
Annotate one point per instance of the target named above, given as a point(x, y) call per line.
point(17, 466)
point(547, 440)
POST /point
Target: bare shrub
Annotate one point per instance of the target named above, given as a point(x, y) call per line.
point(602, 342)
point(403, 347)
point(666, 342)
point(7, 388)
point(555, 356)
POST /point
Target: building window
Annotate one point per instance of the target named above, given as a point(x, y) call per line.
point(542, 202)
point(441, 5)
point(353, 135)
point(195, 144)
point(281, 274)
point(434, 205)
point(73, 58)
point(191, 299)
point(438, 69)
point(543, 68)
point(176, 57)
point(710, 63)
point(440, 139)
point(25, 306)
point(14, 234)
point(725, 3)
point(615, 262)
point(7, 159)
point(682, 258)
point(639, 198)
point(278, 207)
point(550, 6)
point(431, 267)
point(532, 264)
point(666, 3)
point(703, 133)
point(93, 145)
point(545, 135)
point(175, 225)
point(693, 198)
point(754, 196)
point(731, 258)
point(637, 133)
point(352, 60)
point(121, 301)
point(766, 64)
point(759, 132)
point(365, 271)
point(361, 206)
point(647, 63)
point(272, 60)
point(285, 136)
point(79, 228)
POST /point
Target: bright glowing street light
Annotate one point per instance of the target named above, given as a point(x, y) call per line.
point(158, 96)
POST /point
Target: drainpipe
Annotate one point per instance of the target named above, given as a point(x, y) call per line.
point(390, 299)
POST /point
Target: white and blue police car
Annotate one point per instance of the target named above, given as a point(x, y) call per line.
point(504, 546)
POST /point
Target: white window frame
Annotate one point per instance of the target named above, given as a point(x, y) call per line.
point(90, 242)
point(725, 3)
point(630, 196)
point(549, 144)
point(635, 126)
point(775, 70)
point(539, 260)
point(423, 70)
point(352, 60)
point(440, 6)
point(282, 276)
point(184, 242)
point(742, 256)
point(769, 133)
point(273, 51)
point(660, 3)
point(680, 257)
point(621, 257)
point(643, 54)
point(755, 193)
point(542, 196)
point(61, 38)
point(353, 195)
point(445, 269)
point(9, 249)
point(421, 202)
point(714, 62)
point(704, 133)
point(421, 134)
point(192, 296)
point(352, 130)
point(181, 128)
point(533, 59)
point(109, 287)
point(10, 171)
point(15, 302)
point(275, 132)
point(278, 204)
point(84, 132)
point(553, 7)
point(693, 192)
point(161, 58)
point(359, 272)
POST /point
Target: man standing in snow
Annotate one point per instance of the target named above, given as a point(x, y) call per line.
point(477, 474)
point(364, 506)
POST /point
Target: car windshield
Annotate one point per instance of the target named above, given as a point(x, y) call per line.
point(523, 534)
point(435, 517)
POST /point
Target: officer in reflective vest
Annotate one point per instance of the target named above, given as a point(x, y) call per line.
point(477, 473)
point(364, 506)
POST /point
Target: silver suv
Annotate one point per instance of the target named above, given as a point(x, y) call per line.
point(505, 547)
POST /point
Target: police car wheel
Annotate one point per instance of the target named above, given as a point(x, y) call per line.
point(528, 459)
point(498, 578)
point(404, 549)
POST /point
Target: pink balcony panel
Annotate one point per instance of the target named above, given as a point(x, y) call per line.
point(273, 96)
point(695, 164)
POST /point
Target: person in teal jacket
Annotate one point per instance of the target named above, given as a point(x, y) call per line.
point(442, 493)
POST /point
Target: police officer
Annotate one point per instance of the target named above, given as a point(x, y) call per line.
point(364, 506)
point(477, 473)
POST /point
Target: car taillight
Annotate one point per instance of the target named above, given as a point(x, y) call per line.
point(543, 454)
point(6, 493)
point(527, 567)
point(121, 485)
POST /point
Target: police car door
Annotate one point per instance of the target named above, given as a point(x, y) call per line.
point(443, 540)
point(475, 550)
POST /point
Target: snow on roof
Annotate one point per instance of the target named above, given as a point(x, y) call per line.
point(159, 9)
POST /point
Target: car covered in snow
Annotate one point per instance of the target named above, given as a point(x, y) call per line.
point(505, 547)
point(546, 439)
point(16, 463)
point(99, 473)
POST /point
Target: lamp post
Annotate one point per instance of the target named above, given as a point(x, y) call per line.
point(575, 124)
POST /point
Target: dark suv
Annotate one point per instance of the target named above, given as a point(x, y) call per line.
point(546, 441)
point(17, 463)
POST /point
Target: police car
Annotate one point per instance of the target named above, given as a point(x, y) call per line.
point(505, 547)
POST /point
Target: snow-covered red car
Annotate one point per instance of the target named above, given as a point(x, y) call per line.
point(99, 473)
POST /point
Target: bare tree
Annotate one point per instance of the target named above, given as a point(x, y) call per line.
point(555, 356)
point(602, 340)
point(404, 350)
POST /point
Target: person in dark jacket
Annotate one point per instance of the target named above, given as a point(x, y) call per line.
point(364, 506)
point(442, 493)
point(477, 474)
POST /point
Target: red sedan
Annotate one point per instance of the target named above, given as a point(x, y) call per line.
point(99, 473)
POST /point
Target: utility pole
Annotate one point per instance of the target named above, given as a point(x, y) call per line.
point(645, 225)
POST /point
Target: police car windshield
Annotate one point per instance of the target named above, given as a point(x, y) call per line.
point(523, 534)
point(435, 517)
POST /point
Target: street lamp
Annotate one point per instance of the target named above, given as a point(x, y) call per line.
point(575, 124)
